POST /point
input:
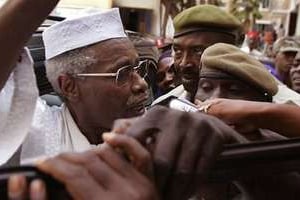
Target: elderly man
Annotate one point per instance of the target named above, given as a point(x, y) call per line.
point(94, 67)
point(101, 172)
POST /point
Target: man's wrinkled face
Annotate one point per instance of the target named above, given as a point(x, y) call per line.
point(284, 61)
point(103, 99)
point(217, 84)
point(295, 75)
point(165, 75)
point(187, 53)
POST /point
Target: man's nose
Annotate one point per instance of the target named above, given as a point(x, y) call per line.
point(186, 61)
point(139, 85)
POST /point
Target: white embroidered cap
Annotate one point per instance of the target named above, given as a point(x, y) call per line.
point(78, 32)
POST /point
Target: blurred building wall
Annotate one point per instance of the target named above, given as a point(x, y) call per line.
point(148, 12)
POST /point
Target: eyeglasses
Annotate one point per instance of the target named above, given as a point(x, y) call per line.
point(124, 74)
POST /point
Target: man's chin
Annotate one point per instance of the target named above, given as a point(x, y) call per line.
point(136, 112)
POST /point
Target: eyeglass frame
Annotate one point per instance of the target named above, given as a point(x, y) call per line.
point(116, 74)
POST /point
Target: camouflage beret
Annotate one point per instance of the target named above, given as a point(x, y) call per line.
point(233, 61)
point(205, 18)
point(285, 44)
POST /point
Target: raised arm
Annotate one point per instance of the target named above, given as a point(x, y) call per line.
point(281, 118)
point(18, 20)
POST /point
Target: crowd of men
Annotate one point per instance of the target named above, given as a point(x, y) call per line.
point(102, 143)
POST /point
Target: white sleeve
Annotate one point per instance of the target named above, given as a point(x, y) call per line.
point(17, 98)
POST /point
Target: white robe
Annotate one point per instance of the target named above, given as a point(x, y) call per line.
point(53, 131)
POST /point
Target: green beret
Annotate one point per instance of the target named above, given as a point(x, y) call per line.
point(205, 18)
point(231, 60)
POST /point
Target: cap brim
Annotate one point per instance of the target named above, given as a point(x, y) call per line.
point(203, 29)
point(286, 49)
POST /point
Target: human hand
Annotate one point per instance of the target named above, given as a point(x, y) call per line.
point(18, 190)
point(238, 114)
point(184, 146)
point(101, 173)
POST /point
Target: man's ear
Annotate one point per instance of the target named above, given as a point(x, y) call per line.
point(69, 87)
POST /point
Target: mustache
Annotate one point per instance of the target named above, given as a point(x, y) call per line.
point(134, 101)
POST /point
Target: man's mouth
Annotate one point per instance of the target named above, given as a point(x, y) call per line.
point(296, 80)
point(189, 79)
point(138, 107)
point(189, 74)
point(138, 110)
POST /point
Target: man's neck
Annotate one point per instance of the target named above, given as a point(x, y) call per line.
point(92, 132)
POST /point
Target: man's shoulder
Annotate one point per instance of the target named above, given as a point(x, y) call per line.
point(44, 132)
point(286, 95)
point(177, 92)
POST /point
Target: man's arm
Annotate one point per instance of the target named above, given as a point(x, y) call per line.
point(18, 20)
point(281, 118)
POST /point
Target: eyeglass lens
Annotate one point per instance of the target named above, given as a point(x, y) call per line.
point(125, 73)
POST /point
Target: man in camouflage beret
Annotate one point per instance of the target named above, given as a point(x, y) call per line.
point(284, 50)
point(196, 29)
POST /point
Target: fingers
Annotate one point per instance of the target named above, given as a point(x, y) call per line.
point(17, 187)
point(138, 155)
point(77, 180)
point(209, 152)
point(115, 160)
point(149, 125)
point(37, 190)
point(121, 125)
point(91, 161)
point(169, 147)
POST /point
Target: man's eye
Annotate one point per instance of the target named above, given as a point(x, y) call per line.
point(205, 86)
point(198, 50)
point(177, 52)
